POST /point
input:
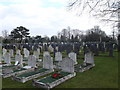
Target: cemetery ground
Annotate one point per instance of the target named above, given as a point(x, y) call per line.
point(103, 75)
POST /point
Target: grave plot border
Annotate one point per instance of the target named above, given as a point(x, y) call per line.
point(53, 84)
point(10, 67)
point(83, 69)
point(25, 79)
point(15, 73)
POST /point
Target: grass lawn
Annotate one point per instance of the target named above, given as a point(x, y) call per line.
point(103, 75)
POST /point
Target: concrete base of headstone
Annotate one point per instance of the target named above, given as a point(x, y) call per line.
point(83, 68)
point(4, 65)
point(7, 67)
point(12, 73)
point(53, 84)
point(25, 79)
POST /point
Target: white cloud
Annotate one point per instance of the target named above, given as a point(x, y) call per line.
point(59, 1)
point(40, 20)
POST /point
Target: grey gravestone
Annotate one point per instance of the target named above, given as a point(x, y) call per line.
point(38, 50)
point(32, 61)
point(11, 52)
point(7, 58)
point(67, 65)
point(97, 45)
point(26, 52)
point(58, 56)
point(89, 58)
point(19, 58)
point(48, 62)
point(72, 56)
point(4, 51)
point(56, 48)
point(51, 49)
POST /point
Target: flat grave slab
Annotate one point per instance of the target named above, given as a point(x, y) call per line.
point(31, 75)
point(50, 82)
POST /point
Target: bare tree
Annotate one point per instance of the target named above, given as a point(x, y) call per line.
point(102, 8)
point(65, 33)
point(5, 34)
point(107, 10)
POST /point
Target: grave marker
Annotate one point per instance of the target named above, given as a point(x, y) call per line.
point(67, 65)
point(19, 58)
point(58, 56)
point(48, 62)
point(32, 61)
point(72, 56)
point(7, 58)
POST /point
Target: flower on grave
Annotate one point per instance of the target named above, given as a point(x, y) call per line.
point(56, 75)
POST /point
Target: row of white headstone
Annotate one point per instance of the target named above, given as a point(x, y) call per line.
point(89, 57)
point(26, 52)
point(67, 64)
point(47, 62)
point(58, 56)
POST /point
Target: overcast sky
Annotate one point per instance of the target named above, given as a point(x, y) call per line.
point(43, 17)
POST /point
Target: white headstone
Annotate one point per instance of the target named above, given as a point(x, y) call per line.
point(51, 49)
point(11, 52)
point(58, 56)
point(48, 62)
point(26, 52)
point(56, 48)
point(97, 45)
point(19, 58)
point(89, 58)
point(104, 44)
point(7, 58)
point(4, 51)
point(38, 49)
point(67, 65)
point(72, 56)
point(32, 61)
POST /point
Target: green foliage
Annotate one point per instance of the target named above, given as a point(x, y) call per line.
point(54, 39)
point(19, 34)
point(6, 41)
